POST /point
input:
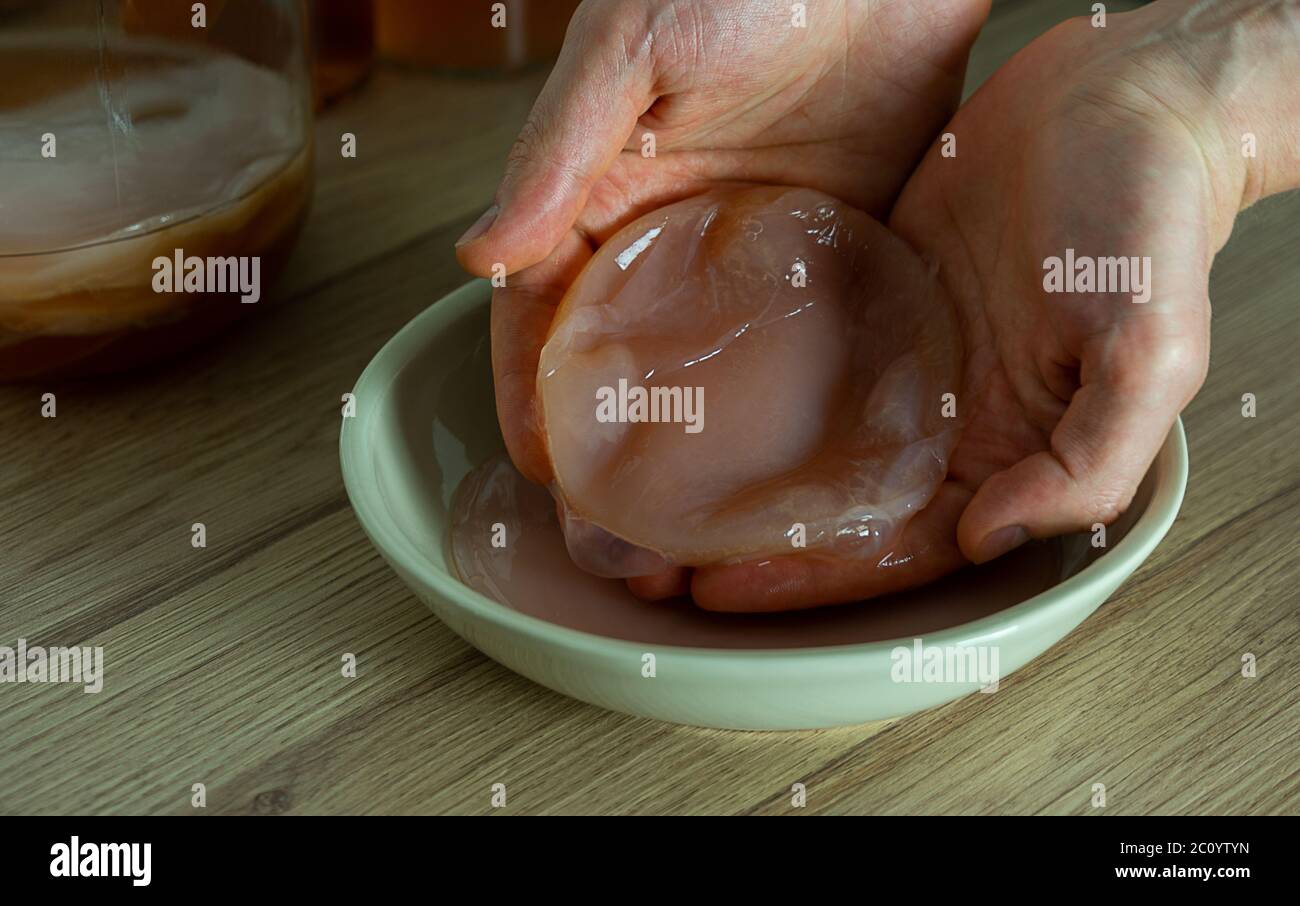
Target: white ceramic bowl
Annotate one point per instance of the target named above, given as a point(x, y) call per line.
point(425, 417)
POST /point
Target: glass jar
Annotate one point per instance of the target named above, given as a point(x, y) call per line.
point(500, 35)
point(155, 169)
point(344, 38)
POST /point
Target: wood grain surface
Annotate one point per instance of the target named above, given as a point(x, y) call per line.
point(223, 664)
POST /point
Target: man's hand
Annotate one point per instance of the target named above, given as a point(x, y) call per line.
point(731, 91)
point(1109, 142)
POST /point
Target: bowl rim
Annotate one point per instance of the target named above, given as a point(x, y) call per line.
point(357, 462)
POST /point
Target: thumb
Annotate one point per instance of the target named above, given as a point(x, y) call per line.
point(578, 125)
point(1135, 382)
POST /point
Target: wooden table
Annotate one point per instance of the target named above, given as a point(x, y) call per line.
point(223, 663)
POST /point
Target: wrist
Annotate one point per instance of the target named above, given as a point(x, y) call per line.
point(1243, 56)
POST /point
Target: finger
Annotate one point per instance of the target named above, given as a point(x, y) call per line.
point(1135, 381)
point(522, 311)
point(579, 124)
point(674, 582)
point(926, 551)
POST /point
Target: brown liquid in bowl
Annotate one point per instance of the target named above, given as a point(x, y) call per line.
point(532, 573)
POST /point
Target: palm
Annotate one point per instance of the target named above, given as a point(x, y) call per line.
point(1090, 162)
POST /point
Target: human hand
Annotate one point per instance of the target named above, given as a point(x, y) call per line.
point(1110, 142)
point(731, 92)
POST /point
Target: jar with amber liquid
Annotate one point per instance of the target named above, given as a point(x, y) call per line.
point(484, 35)
point(343, 34)
point(155, 169)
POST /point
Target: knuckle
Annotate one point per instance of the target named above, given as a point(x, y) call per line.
point(1107, 505)
point(1178, 365)
point(536, 151)
point(1185, 363)
point(621, 27)
point(527, 145)
point(1159, 366)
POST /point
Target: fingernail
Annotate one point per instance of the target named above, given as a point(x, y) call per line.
point(1000, 542)
point(481, 226)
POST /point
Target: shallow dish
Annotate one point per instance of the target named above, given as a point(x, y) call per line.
point(425, 417)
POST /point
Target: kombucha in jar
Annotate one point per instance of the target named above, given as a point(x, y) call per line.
point(129, 139)
point(344, 36)
point(471, 34)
